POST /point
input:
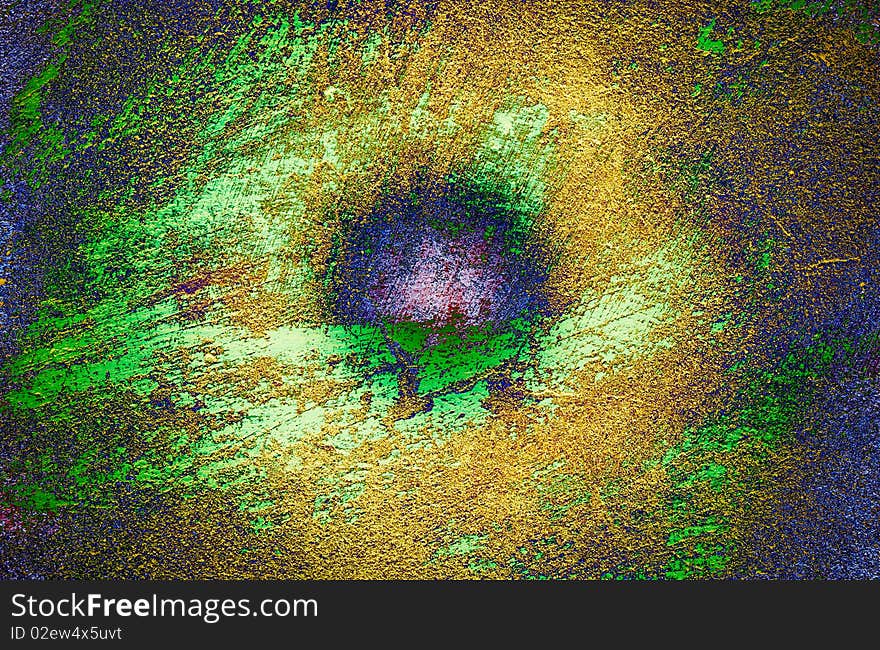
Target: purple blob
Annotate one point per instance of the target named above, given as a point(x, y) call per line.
point(439, 261)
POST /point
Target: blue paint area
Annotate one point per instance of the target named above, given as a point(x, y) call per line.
point(384, 246)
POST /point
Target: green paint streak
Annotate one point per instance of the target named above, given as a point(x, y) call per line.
point(27, 126)
point(692, 531)
point(772, 403)
point(861, 14)
point(463, 546)
point(706, 43)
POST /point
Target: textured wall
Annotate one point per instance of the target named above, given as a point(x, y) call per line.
point(458, 289)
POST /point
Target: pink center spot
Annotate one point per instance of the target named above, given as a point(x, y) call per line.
point(447, 280)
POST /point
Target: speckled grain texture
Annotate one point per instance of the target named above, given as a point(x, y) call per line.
point(440, 290)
